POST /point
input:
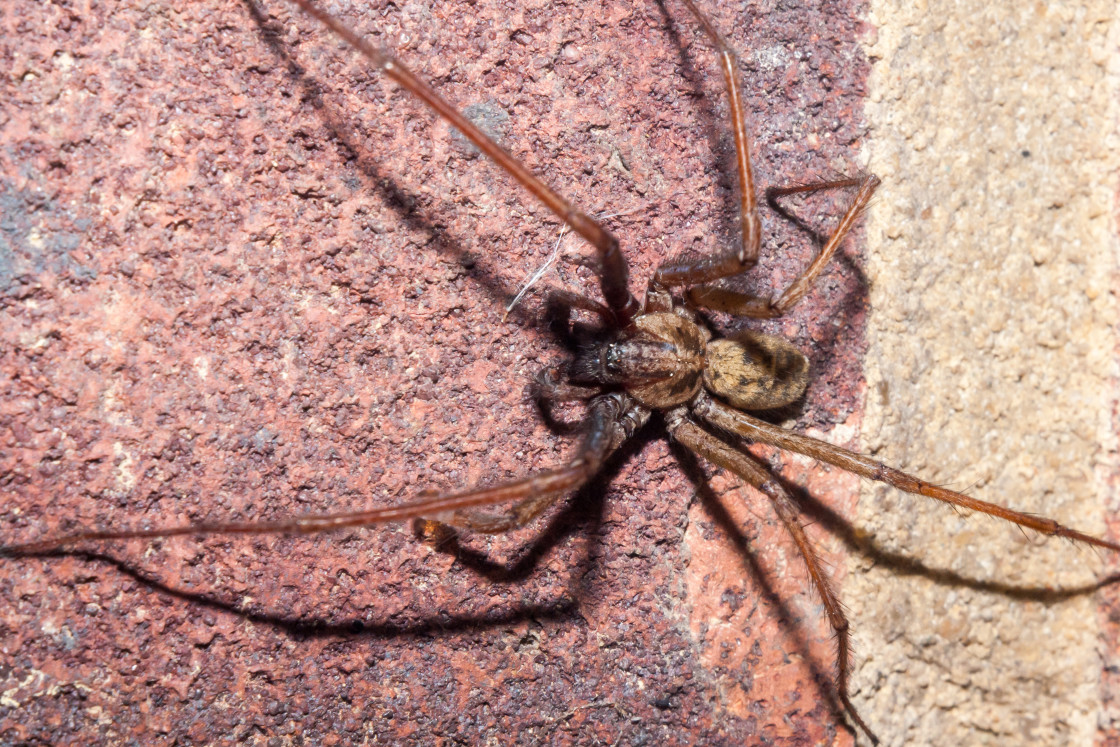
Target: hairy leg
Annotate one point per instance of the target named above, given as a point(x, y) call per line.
point(738, 260)
point(746, 467)
point(732, 420)
point(724, 299)
point(610, 419)
point(614, 271)
point(629, 418)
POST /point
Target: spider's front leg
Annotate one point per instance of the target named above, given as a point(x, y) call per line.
point(548, 389)
point(611, 420)
point(614, 275)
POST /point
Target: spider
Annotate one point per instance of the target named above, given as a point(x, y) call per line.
point(660, 358)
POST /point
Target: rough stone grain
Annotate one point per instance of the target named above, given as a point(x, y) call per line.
point(991, 368)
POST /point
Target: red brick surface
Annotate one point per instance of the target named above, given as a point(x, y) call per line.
point(241, 276)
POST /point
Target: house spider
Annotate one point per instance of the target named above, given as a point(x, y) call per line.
point(623, 379)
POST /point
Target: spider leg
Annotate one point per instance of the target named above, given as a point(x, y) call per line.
point(773, 193)
point(548, 389)
point(628, 419)
point(565, 298)
point(743, 304)
point(734, 421)
point(745, 256)
point(490, 522)
point(614, 272)
point(611, 419)
point(737, 261)
point(747, 467)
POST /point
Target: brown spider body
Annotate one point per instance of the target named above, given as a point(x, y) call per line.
point(669, 356)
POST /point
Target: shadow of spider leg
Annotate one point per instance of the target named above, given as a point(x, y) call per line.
point(747, 466)
point(754, 429)
point(610, 420)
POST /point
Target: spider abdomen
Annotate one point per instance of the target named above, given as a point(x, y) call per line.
point(755, 371)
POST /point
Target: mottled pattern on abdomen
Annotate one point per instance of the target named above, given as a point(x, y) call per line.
point(753, 371)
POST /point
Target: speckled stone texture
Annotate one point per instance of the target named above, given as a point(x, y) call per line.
point(243, 277)
point(991, 368)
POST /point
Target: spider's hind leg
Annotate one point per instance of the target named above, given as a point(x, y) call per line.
point(742, 424)
point(746, 466)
